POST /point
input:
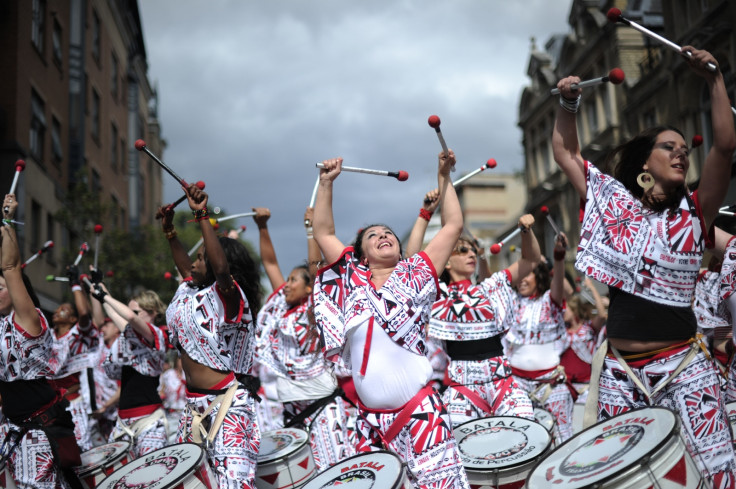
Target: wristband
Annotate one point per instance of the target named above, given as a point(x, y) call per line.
point(76, 288)
point(425, 214)
point(559, 255)
point(201, 214)
point(170, 234)
point(571, 106)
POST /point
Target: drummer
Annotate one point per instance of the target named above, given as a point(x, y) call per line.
point(211, 323)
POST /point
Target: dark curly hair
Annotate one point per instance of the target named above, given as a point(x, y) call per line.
point(243, 270)
point(632, 156)
point(358, 243)
point(543, 277)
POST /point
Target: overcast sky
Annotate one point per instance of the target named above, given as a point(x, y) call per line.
point(253, 93)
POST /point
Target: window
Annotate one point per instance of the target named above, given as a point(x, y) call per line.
point(114, 147)
point(38, 126)
point(35, 226)
point(649, 119)
point(50, 236)
point(96, 36)
point(115, 213)
point(591, 113)
point(56, 147)
point(95, 116)
point(96, 183)
point(56, 37)
point(114, 76)
point(38, 24)
point(123, 157)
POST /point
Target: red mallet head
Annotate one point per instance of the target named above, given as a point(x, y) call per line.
point(20, 165)
point(434, 121)
point(200, 185)
point(109, 274)
point(242, 227)
point(697, 140)
point(544, 210)
point(403, 176)
point(98, 228)
point(167, 276)
point(496, 249)
point(140, 144)
point(616, 76)
point(613, 14)
point(491, 163)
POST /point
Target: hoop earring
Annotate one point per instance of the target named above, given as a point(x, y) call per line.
point(645, 180)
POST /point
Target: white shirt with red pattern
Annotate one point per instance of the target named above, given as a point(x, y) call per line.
point(80, 348)
point(284, 343)
point(583, 342)
point(26, 357)
point(474, 312)
point(538, 321)
point(132, 350)
point(707, 300)
point(197, 322)
point(173, 390)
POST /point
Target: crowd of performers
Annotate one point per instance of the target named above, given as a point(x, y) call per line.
point(370, 346)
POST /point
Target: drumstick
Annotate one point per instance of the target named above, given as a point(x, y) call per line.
point(545, 212)
point(140, 145)
point(491, 163)
point(98, 231)
point(51, 278)
point(614, 76)
point(46, 246)
point(84, 248)
point(314, 197)
point(434, 122)
point(496, 248)
point(400, 175)
point(200, 185)
point(20, 165)
point(614, 15)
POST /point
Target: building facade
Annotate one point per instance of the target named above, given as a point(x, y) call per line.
point(74, 98)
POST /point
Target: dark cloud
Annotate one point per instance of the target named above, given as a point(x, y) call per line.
point(252, 94)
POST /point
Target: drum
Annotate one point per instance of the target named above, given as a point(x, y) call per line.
point(378, 470)
point(499, 451)
point(578, 413)
point(180, 466)
point(6, 478)
point(546, 419)
point(102, 461)
point(731, 411)
point(641, 448)
point(285, 459)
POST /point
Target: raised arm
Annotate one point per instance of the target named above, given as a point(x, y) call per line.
point(124, 312)
point(268, 254)
point(530, 252)
point(181, 258)
point(439, 249)
point(416, 237)
point(314, 255)
point(601, 314)
point(324, 223)
point(26, 315)
point(716, 174)
point(565, 145)
point(557, 287)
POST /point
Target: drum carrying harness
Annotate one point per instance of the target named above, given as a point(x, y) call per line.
point(136, 428)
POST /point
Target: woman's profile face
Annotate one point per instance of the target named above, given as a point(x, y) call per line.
point(296, 288)
point(528, 285)
point(669, 160)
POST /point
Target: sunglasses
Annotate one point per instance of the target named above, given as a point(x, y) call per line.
point(462, 250)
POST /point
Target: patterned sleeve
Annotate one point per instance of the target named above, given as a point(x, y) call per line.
point(329, 294)
point(37, 354)
point(504, 298)
point(237, 334)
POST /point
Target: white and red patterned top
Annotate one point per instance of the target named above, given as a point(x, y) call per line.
point(345, 298)
point(132, 350)
point(474, 312)
point(583, 342)
point(538, 321)
point(173, 390)
point(727, 281)
point(284, 343)
point(197, 323)
point(655, 256)
point(707, 300)
point(79, 347)
point(26, 357)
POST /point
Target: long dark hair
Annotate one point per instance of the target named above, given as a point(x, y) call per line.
point(29, 289)
point(243, 270)
point(543, 277)
point(632, 156)
point(358, 243)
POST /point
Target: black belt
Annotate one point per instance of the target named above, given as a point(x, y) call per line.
point(475, 349)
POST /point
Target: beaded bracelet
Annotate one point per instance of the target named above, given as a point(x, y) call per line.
point(425, 214)
point(170, 234)
point(571, 106)
point(559, 255)
point(201, 214)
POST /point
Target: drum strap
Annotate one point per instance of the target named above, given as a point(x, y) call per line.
point(405, 415)
point(298, 419)
point(135, 429)
point(590, 415)
point(224, 401)
point(542, 392)
point(473, 397)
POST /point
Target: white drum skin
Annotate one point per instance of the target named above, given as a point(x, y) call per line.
point(545, 418)
point(499, 451)
point(639, 449)
point(6, 478)
point(99, 462)
point(180, 466)
point(284, 459)
point(377, 470)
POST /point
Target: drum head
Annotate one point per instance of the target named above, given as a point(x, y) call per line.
point(731, 412)
point(102, 456)
point(545, 418)
point(500, 442)
point(281, 443)
point(165, 467)
point(374, 470)
point(606, 449)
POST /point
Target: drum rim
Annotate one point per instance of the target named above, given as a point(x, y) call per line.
point(616, 473)
point(283, 456)
point(374, 452)
point(198, 463)
point(92, 468)
point(544, 452)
